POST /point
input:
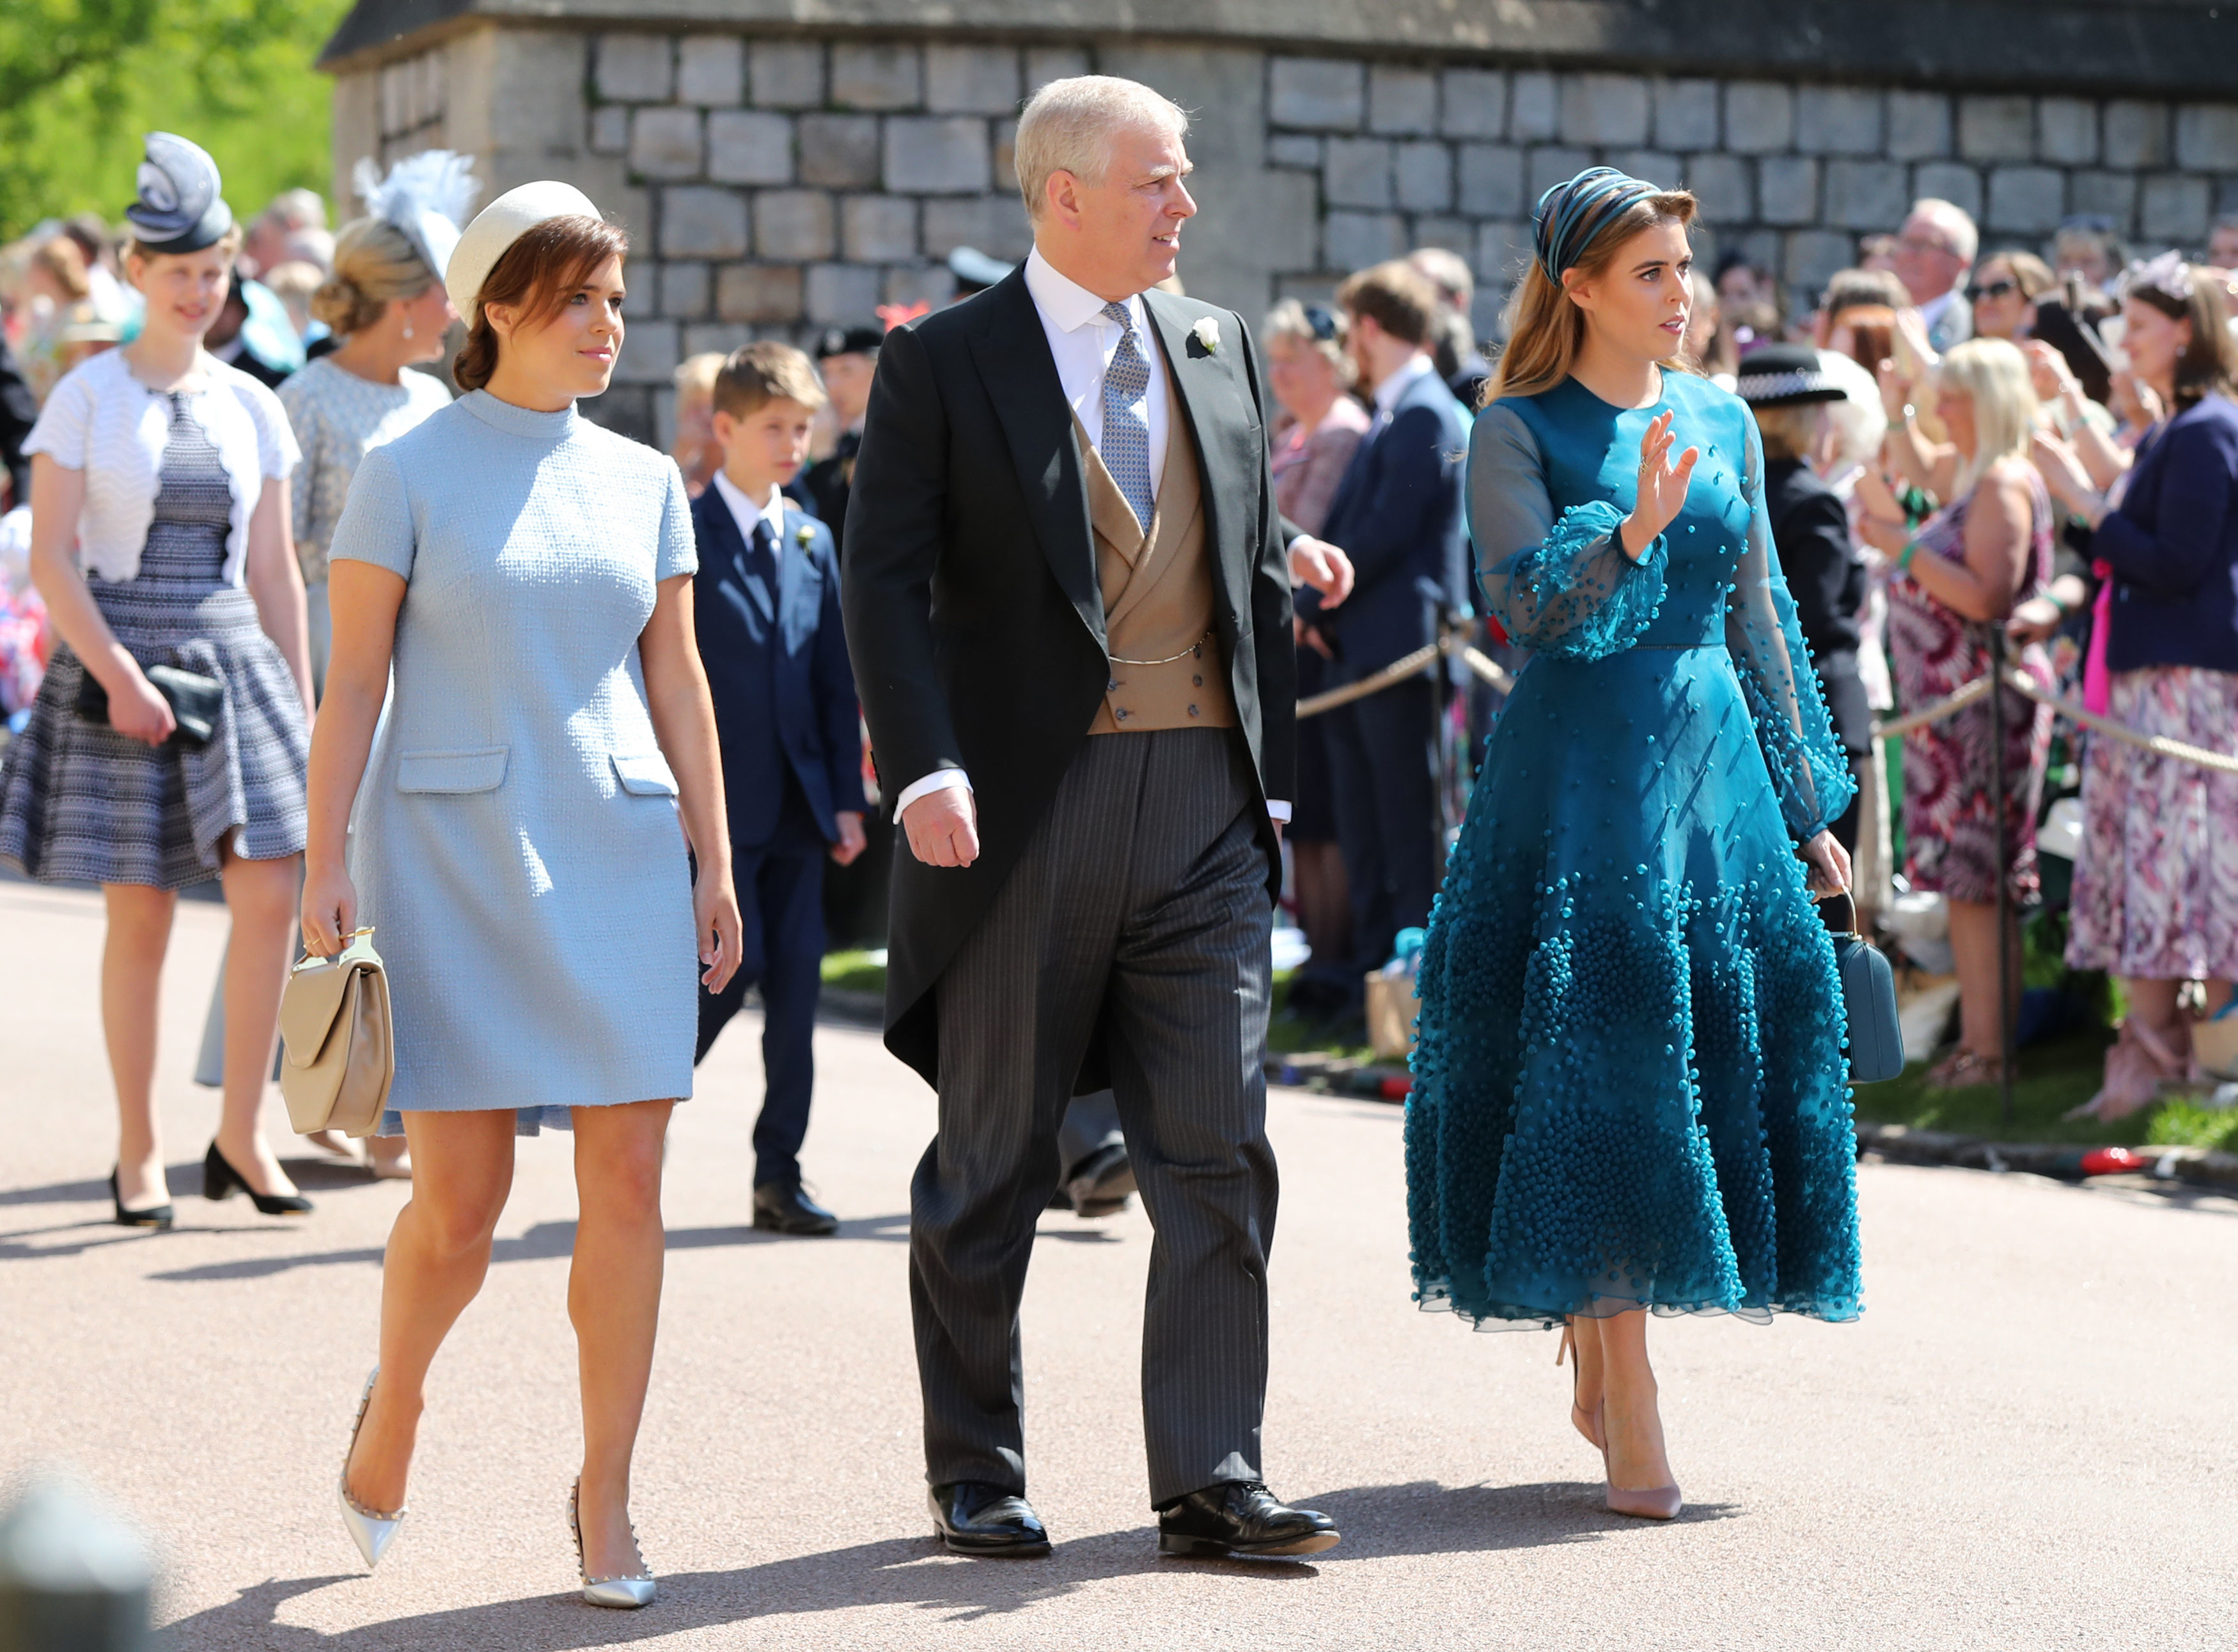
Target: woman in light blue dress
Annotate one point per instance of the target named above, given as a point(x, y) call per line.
point(1630, 1091)
point(518, 844)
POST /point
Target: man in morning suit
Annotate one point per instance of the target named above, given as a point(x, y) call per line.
point(1069, 606)
point(1398, 515)
point(766, 605)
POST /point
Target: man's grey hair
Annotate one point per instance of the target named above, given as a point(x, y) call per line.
point(1067, 127)
point(1954, 221)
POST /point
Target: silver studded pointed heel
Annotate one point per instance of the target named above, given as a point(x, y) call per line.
point(370, 1531)
point(623, 1594)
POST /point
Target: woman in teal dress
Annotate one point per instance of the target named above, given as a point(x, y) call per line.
point(1630, 1091)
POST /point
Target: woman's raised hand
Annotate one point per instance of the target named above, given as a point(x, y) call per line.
point(1662, 487)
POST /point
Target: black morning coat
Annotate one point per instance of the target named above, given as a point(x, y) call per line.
point(974, 611)
point(1811, 533)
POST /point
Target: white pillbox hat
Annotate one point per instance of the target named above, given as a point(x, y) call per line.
point(500, 224)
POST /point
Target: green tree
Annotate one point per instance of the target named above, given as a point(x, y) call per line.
point(81, 80)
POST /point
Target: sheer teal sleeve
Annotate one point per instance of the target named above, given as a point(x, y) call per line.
point(1561, 585)
point(1809, 772)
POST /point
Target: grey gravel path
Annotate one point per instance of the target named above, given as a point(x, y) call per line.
point(2026, 1443)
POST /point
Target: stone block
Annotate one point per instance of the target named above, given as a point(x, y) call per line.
point(665, 143)
point(711, 69)
point(877, 230)
point(1356, 172)
point(1918, 126)
point(1503, 253)
point(1999, 127)
point(697, 222)
point(876, 75)
point(758, 293)
point(2225, 198)
point(610, 129)
point(839, 151)
point(1839, 120)
point(1295, 149)
point(531, 100)
point(793, 224)
point(1492, 180)
point(2136, 133)
point(2027, 199)
point(1948, 181)
point(1534, 111)
point(2105, 195)
point(1319, 94)
point(715, 337)
point(626, 410)
point(1353, 240)
point(1472, 102)
point(1487, 317)
point(787, 74)
point(937, 154)
point(2207, 137)
point(842, 294)
point(1549, 167)
point(921, 283)
point(1655, 166)
point(971, 80)
point(749, 146)
point(1866, 194)
point(685, 289)
point(995, 224)
point(1422, 175)
point(2067, 130)
point(1604, 109)
point(649, 353)
point(1812, 255)
point(1787, 190)
point(1686, 114)
point(2174, 209)
point(635, 69)
point(1046, 63)
point(1006, 154)
point(1725, 185)
point(1759, 117)
point(1402, 102)
point(1455, 235)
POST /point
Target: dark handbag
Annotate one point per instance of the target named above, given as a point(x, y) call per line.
point(1868, 996)
point(193, 700)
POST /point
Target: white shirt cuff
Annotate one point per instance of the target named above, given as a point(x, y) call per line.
point(1278, 812)
point(938, 780)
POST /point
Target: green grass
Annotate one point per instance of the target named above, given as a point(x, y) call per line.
point(2186, 1124)
point(1291, 1033)
point(854, 972)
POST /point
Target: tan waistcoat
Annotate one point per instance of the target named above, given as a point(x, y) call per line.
point(1157, 597)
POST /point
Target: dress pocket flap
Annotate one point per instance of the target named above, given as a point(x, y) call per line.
point(646, 774)
point(481, 770)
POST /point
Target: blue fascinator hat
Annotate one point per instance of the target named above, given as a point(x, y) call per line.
point(179, 209)
point(1570, 215)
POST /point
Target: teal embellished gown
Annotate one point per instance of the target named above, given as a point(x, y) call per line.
point(1629, 1085)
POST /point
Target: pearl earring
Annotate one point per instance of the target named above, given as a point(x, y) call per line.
point(407, 329)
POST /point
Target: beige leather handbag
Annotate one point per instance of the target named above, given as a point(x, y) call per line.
point(341, 1046)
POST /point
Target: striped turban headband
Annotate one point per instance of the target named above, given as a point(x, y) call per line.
point(1570, 215)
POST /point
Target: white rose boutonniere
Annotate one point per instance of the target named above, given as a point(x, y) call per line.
point(805, 534)
point(1205, 336)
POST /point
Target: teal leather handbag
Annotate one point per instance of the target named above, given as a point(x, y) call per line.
point(1868, 996)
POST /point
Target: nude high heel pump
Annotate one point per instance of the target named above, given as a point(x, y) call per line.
point(370, 1531)
point(1581, 1420)
point(623, 1594)
point(1659, 1503)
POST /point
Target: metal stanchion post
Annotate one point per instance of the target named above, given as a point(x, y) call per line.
point(2006, 1053)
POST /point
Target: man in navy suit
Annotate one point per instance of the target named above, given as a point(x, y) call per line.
point(767, 610)
point(1398, 515)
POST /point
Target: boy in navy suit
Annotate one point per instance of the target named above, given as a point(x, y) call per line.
point(767, 602)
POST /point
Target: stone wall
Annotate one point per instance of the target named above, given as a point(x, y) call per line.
point(776, 183)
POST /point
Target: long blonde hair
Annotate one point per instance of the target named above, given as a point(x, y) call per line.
point(1546, 330)
point(1993, 374)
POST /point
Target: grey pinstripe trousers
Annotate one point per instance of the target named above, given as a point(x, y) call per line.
point(1140, 904)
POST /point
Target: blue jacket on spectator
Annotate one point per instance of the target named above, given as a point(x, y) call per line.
point(1398, 515)
point(2173, 546)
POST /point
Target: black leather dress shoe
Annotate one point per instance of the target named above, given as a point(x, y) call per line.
point(781, 1207)
point(1100, 1183)
point(1242, 1517)
point(972, 1518)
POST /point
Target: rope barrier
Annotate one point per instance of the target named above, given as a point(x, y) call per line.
point(2159, 744)
point(1408, 666)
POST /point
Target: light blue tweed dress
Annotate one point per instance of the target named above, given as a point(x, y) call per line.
point(516, 844)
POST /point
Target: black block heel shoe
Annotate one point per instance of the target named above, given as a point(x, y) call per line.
point(155, 1216)
point(220, 1179)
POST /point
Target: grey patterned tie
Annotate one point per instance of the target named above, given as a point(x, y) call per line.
point(1125, 446)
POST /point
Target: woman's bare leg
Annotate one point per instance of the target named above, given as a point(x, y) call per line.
point(439, 1252)
point(131, 981)
point(613, 1297)
point(1974, 949)
point(1586, 1378)
point(261, 896)
point(1636, 1457)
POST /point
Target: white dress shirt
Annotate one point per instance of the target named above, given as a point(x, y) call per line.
point(1083, 340)
point(1395, 386)
point(746, 513)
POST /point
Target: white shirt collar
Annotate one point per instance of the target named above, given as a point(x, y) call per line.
point(1387, 392)
point(1932, 311)
point(746, 513)
point(1066, 303)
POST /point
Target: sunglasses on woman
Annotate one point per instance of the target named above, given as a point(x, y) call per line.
point(1981, 290)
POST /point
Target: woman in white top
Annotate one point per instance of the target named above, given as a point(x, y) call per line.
point(160, 542)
